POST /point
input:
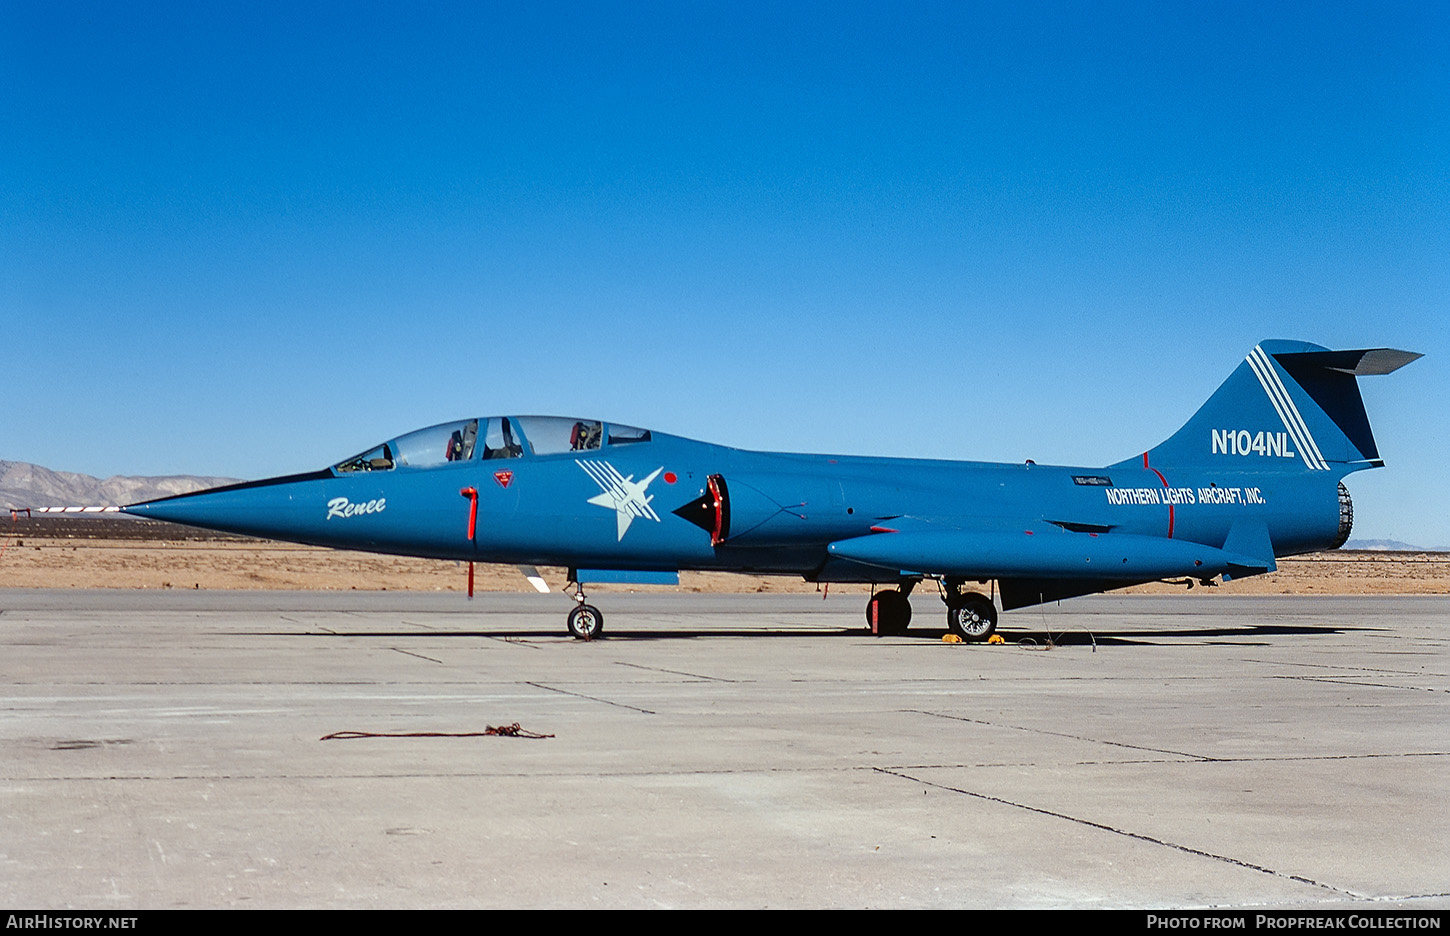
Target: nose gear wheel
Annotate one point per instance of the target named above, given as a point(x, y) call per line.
point(586, 622)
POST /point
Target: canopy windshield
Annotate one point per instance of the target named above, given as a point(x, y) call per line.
point(436, 445)
point(502, 437)
point(551, 435)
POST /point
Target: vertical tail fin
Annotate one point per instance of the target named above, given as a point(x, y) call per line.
point(1290, 406)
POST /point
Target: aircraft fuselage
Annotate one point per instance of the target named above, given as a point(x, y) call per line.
point(784, 509)
point(1253, 475)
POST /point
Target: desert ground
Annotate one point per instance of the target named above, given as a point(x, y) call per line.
point(83, 552)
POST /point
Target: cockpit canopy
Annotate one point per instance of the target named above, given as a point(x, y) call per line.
point(491, 438)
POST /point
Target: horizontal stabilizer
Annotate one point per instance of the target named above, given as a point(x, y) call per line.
point(1050, 553)
point(1366, 362)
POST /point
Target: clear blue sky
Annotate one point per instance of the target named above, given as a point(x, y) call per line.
point(248, 239)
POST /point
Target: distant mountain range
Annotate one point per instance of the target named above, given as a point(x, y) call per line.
point(25, 485)
point(1389, 545)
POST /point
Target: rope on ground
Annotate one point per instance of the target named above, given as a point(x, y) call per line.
point(1028, 643)
point(502, 731)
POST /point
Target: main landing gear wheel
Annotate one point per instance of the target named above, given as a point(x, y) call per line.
point(972, 617)
point(889, 611)
point(586, 622)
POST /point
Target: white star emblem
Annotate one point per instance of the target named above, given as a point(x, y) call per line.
point(624, 496)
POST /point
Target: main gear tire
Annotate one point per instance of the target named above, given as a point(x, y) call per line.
point(973, 617)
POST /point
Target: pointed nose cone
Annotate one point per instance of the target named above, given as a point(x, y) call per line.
point(268, 508)
point(200, 509)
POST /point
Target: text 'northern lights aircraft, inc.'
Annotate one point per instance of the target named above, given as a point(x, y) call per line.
point(1254, 475)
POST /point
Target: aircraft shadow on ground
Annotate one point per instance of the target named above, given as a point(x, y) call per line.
point(1238, 634)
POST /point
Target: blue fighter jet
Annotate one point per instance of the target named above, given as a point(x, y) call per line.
point(1254, 475)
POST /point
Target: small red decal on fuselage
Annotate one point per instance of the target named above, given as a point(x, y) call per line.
point(503, 478)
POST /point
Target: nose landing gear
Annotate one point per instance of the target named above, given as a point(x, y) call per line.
point(586, 621)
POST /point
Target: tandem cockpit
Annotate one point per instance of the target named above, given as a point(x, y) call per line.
point(494, 437)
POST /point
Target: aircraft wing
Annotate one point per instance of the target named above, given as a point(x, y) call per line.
point(1049, 553)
